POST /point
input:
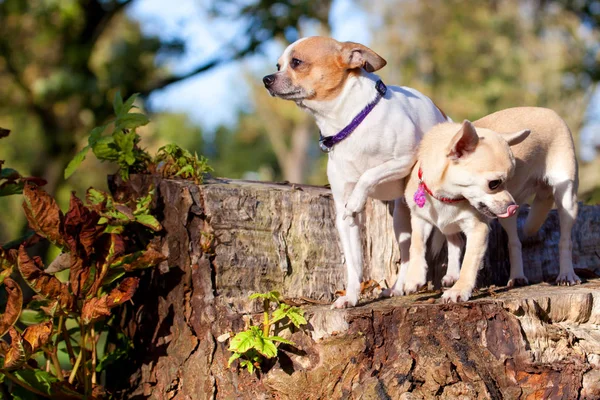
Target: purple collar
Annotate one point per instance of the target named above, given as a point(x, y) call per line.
point(327, 142)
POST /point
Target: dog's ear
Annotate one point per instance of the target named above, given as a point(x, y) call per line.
point(355, 55)
point(516, 137)
point(464, 141)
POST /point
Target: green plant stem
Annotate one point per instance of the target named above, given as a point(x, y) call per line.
point(67, 340)
point(24, 385)
point(86, 383)
point(54, 358)
point(266, 323)
point(75, 367)
point(94, 357)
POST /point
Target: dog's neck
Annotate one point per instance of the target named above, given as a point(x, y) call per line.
point(333, 115)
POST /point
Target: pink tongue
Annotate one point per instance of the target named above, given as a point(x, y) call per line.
point(512, 210)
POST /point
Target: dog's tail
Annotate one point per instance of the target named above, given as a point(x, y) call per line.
point(540, 208)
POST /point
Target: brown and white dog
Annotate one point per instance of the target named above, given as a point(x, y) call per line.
point(371, 134)
point(467, 174)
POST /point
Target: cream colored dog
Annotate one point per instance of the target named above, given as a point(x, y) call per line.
point(467, 174)
point(370, 131)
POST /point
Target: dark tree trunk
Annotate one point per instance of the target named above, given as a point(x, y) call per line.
point(534, 342)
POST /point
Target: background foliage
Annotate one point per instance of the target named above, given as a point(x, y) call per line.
point(61, 62)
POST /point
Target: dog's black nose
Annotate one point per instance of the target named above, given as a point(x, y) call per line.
point(268, 80)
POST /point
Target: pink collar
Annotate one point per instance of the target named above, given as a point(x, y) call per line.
point(419, 196)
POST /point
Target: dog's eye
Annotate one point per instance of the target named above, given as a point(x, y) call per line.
point(278, 67)
point(493, 185)
point(295, 62)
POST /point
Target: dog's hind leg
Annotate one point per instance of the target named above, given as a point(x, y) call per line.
point(542, 204)
point(517, 276)
point(402, 232)
point(565, 198)
point(416, 274)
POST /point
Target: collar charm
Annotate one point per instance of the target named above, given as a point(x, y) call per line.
point(326, 143)
point(419, 196)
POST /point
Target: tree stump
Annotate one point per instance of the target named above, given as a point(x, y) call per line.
point(227, 239)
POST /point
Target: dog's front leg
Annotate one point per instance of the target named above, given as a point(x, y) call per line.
point(352, 248)
point(477, 237)
point(455, 244)
point(416, 275)
point(391, 170)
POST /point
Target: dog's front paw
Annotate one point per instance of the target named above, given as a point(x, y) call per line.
point(518, 281)
point(568, 279)
point(349, 214)
point(448, 280)
point(456, 294)
point(354, 206)
point(345, 302)
point(413, 286)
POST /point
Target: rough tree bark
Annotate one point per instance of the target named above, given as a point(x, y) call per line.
point(227, 239)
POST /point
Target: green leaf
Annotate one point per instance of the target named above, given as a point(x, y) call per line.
point(105, 149)
point(248, 365)
point(10, 188)
point(279, 313)
point(38, 379)
point(117, 229)
point(95, 197)
point(233, 357)
point(124, 142)
point(142, 205)
point(132, 121)
point(244, 341)
point(96, 135)
point(118, 103)
point(296, 316)
point(281, 340)
point(266, 347)
point(32, 317)
point(76, 162)
point(272, 296)
point(129, 102)
point(112, 277)
point(149, 221)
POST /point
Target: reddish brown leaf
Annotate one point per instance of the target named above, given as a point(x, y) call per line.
point(113, 246)
point(123, 209)
point(13, 306)
point(42, 213)
point(148, 258)
point(38, 335)
point(35, 180)
point(81, 227)
point(124, 292)
point(19, 351)
point(4, 348)
point(51, 308)
point(79, 272)
point(42, 283)
point(94, 309)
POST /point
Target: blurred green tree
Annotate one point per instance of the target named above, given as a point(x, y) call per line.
point(61, 63)
point(473, 58)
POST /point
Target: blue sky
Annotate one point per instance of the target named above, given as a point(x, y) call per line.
point(213, 98)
